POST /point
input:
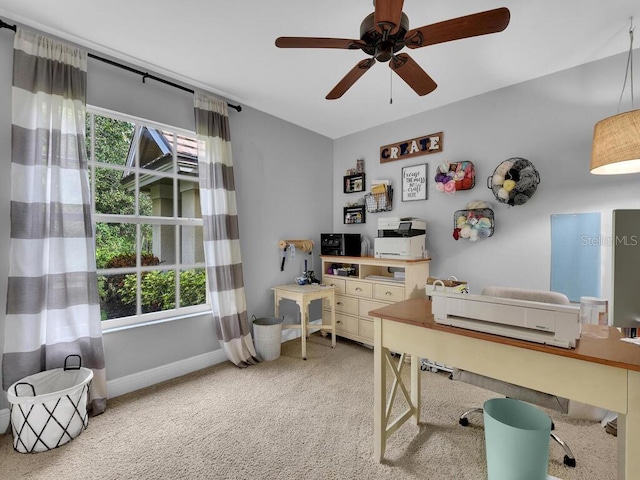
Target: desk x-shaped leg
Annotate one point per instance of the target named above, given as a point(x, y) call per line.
point(384, 426)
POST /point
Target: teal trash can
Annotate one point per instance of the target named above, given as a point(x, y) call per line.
point(517, 440)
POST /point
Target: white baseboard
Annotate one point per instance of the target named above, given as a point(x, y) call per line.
point(146, 378)
point(291, 333)
point(5, 417)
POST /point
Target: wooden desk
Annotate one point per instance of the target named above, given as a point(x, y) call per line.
point(600, 372)
point(303, 295)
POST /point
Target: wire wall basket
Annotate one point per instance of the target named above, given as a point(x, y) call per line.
point(379, 202)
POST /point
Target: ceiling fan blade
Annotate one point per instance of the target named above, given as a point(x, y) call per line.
point(407, 68)
point(491, 21)
point(350, 78)
point(311, 42)
point(388, 15)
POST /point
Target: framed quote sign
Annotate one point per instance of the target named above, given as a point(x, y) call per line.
point(414, 183)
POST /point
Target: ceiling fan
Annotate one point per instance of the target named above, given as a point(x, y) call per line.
point(386, 31)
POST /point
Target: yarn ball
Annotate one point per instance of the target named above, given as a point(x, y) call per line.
point(520, 163)
point(484, 223)
point(526, 184)
point(509, 185)
point(441, 178)
point(473, 236)
point(484, 233)
point(503, 195)
point(450, 187)
point(503, 168)
point(497, 179)
point(520, 199)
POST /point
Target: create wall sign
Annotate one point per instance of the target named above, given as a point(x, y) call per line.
point(411, 148)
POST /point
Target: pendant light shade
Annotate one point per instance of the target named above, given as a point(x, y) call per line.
point(616, 144)
point(616, 139)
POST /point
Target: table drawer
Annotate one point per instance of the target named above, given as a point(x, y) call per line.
point(347, 324)
point(391, 293)
point(335, 282)
point(365, 328)
point(346, 304)
point(365, 306)
point(361, 289)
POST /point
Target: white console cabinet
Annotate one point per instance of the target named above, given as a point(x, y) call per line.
point(372, 283)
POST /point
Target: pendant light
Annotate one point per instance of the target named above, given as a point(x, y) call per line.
point(616, 139)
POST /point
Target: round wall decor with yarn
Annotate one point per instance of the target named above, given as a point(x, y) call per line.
point(514, 181)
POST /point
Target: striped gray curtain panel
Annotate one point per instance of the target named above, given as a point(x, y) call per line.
point(221, 236)
point(52, 300)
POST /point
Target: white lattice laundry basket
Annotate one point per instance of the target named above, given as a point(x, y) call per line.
point(49, 409)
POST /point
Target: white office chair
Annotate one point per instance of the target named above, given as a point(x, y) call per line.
point(515, 391)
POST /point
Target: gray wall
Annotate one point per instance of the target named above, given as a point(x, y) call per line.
point(548, 121)
point(284, 187)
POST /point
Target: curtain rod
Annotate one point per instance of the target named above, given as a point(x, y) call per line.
point(144, 75)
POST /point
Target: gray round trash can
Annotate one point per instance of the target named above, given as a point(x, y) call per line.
point(517, 440)
point(268, 337)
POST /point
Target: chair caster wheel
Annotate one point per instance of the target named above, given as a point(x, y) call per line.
point(569, 462)
point(463, 421)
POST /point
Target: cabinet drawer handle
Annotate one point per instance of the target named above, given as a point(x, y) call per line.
point(358, 289)
point(338, 303)
point(332, 285)
point(339, 321)
point(388, 293)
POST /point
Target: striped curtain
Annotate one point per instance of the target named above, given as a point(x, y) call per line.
point(52, 300)
point(221, 236)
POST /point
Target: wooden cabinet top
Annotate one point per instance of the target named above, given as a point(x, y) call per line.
point(373, 261)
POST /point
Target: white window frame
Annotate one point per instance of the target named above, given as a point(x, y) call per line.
point(165, 315)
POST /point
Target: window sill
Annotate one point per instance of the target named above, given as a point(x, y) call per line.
point(157, 321)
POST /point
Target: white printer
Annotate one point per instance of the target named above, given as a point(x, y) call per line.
point(401, 238)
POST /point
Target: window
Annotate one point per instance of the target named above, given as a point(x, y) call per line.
point(147, 220)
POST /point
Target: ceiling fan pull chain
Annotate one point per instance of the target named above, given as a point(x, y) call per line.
point(390, 87)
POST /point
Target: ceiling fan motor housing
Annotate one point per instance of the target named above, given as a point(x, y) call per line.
point(377, 45)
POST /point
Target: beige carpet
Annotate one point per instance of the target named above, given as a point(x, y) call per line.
point(289, 419)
